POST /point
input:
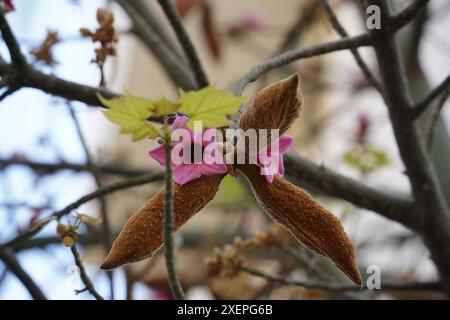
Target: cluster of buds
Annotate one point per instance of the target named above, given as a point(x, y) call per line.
point(7, 5)
point(106, 35)
point(67, 233)
point(227, 261)
point(44, 53)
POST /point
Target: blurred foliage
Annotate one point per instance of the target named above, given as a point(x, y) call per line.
point(365, 159)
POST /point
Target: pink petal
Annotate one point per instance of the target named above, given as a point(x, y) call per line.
point(212, 169)
point(179, 122)
point(284, 143)
point(256, 20)
point(269, 178)
point(280, 166)
point(159, 154)
point(184, 173)
point(267, 173)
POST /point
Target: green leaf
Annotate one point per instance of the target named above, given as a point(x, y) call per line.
point(209, 105)
point(131, 114)
point(233, 195)
point(365, 159)
point(164, 106)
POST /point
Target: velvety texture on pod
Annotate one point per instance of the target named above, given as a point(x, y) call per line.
point(308, 221)
point(142, 235)
point(274, 107)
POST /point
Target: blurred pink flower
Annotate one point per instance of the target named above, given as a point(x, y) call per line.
point(266, 156)
point(8, 5)
point(363, 122)
point(256, 20)
point(185, 172)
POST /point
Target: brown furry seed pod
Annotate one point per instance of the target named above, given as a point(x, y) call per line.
point(142, 235)
point(305, 218)
point(274, 107)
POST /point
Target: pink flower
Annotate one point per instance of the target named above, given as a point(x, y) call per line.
point(185, 172)
point(271, 160)
point(255, 20)
point(362, 129)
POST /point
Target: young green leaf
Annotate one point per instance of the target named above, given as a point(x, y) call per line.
point(366, 159)
point(131, 114)
point(209, 105)
point(164, 106)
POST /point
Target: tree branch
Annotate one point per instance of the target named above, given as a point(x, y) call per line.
point(427, 101)
point(7, 93)
point(292, 55)
point(106, 233)
point(152, 20)
point(47, 168)
point(83, 275)
point(175, 67)
point(32, 78)
point(393, 207)
point(185, 42)
point(408, 286)
point(17, 58)
point(299, 27)
point(429, 134)
point(120, 185)
point(407, 15)
point(359, 60)
point(10, 261)
point(174, 281)
point(431, 212)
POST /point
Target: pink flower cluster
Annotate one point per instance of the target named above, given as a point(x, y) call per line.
point(185, 172)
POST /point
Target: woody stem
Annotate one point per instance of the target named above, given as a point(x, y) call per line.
point(168, 221)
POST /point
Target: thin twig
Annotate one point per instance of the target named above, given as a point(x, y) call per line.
point(185, 42)
point(176, 68)
point(101, 69)
point(430, 210)
point(106, 233)
point(299, 26)
point(152, 19)
point(11, 262)
point(48, 168)
point(427, 101)
point(17, 58)
point(50, 84)
point(408, 286)
point(174, 281)
point(83, 275)
point(120, 185)
point(429, 134)
point(7, 93)
point(408, 14)
point(359, 60)
point(293, 55)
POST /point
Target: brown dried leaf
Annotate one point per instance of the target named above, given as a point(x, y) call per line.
point(210, 33)
point(142, 235)
point(274, 107)
point(305, 218)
